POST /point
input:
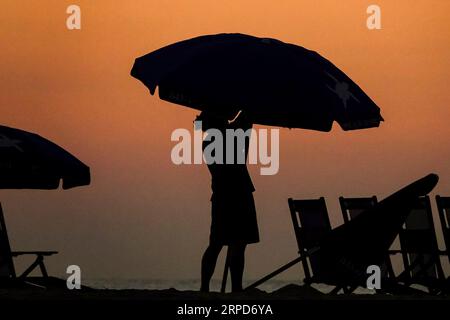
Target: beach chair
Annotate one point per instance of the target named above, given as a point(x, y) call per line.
point(351, 208)
point(7, 271)
point(311, 223)
point(443, 205)
point(341, 256)
point(419, 248)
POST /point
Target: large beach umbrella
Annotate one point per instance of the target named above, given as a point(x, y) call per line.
point(29, 161)
point(275, 83)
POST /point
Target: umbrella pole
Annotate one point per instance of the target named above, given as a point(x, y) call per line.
point(225, 272)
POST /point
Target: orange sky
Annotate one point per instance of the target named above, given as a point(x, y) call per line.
point(144, 217)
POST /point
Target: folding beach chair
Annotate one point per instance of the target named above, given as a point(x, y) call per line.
point(7, 270)
point(311, 223)
point(443, 205)
point(341, 256)
point(420, 252)
point(351, 208)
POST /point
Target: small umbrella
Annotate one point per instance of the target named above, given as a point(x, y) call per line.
point(275, 83)
point(29, 161)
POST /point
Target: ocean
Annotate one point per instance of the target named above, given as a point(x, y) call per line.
point(194, 284)
point(159, 284)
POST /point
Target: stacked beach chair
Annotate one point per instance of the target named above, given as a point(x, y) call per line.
point(339, 256)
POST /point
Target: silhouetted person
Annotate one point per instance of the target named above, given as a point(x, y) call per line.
point(233, 214)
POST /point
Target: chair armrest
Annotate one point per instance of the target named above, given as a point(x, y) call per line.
point(39, 253)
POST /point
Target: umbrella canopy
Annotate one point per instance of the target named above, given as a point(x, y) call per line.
point(29, 161)
point(275, 83)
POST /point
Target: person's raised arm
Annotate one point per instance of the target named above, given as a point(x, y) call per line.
point(241, 121)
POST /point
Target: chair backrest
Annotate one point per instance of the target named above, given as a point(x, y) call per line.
point(418, 242)
point(443, 205)
point(6, 260)
point(352, 207)
point(311, 223)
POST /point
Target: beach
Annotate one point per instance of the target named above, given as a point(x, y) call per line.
point(171, 303)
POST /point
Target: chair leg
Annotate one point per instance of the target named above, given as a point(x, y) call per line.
point(337, 289)
point(43, 269)
point(276, 272)
point(405, 274)
point(225, 272)
point(39, 262)
point(352, 288)
point(390, 269)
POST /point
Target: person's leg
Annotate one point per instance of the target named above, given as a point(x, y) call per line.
point(237, 262)
point(209, 264)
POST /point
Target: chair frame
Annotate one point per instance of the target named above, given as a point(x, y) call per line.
point(435, 253)
point(354, 203)
point(305, 253)
point(351, 203)
point(299, 230)
point(443, 203)
point(38, 262)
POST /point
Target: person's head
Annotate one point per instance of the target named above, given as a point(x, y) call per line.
point(211, 121)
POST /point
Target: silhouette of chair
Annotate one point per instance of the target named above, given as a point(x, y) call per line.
point(7, 270)
point(443, 205)
point(351, 208)
point(419, 248)
point(311, 224)
point(341, 256)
